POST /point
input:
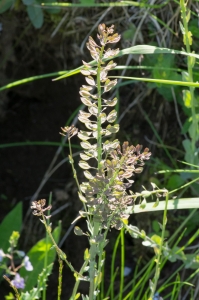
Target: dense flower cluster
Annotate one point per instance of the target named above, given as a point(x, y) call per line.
point(105, 192)
point(38, 208)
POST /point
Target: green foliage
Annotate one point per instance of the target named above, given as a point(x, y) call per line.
point(88, 2)
point(5, 5)
point(35, 14)
point(41, 279)
point(34, 10)
point(174, 182)
point(12, 222)
point(37, 256)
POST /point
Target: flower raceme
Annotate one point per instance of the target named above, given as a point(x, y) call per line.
point(105, 191)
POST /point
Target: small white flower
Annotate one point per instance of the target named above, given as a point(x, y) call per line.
point(27, 264)
point(2, 254)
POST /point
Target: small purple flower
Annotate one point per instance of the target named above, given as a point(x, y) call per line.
point(2, 254)
point(18, 282)
point(27, 264)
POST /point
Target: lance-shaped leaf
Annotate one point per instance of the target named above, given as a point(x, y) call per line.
point(112, 116)
point(109, 84)
point(84, 165)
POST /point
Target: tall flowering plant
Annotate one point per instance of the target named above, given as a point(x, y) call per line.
point(108, 167)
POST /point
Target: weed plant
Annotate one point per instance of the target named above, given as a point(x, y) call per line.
point(106, 193)
point(108, 168)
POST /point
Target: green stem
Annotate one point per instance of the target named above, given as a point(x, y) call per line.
point(72, 164)
point(113, 265)
point(96, 225)
point(78, 280)
point(99, 123)
point(190, 64)
point(93, 253)
point(46, 252)
point(158, 258)
point(122, 264)
point(60, 279)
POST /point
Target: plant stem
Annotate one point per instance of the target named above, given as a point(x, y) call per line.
point(93, 253)
point(122, 264)
point(60, 279)
point(99, 123)
point(78, 280)
point(158, 258)
point(190, 64)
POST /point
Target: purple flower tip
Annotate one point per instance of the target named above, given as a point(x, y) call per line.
point(18, 282)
